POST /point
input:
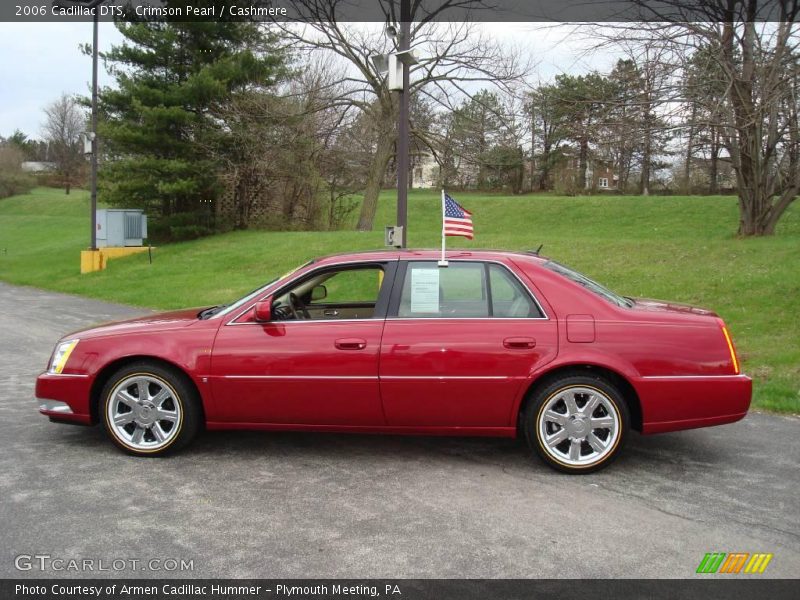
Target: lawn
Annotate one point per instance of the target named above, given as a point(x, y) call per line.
point(677, 248)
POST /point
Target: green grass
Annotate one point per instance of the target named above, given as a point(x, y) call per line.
point(677, 248)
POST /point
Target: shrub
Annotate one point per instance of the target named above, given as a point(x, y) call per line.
point(13, 180)
point(179, 227)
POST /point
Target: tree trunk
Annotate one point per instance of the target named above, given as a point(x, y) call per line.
point(687, 171)
point(519, 172)
point(533, 151)
point(583, 165)
point(713, 170)
point(755, 199)
point(544, 171)
point(372, 190)
point(646, 156)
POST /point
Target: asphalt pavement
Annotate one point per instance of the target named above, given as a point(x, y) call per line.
point(260, 504)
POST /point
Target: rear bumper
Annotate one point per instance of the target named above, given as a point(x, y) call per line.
point(687, 402)
point(70, 394)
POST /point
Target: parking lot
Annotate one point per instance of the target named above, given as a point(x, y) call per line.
point(258, 504)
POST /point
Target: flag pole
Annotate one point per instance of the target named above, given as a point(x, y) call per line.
point(443, 261)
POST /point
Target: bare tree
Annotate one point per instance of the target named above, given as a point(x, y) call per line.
point(757, 46)
point(284, 154)
point(452, 56)
point(65, 121)
point(704, 91)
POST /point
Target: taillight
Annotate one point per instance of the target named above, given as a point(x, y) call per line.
point(731, 349)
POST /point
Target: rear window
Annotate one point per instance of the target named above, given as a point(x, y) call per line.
point(587, 283)
point(463, 290)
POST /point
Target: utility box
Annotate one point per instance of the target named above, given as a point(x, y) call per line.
point(121, 227)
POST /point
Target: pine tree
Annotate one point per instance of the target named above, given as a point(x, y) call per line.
point(161, 122)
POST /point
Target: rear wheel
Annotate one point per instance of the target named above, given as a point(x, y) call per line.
point(150, 410)
point(577, 423)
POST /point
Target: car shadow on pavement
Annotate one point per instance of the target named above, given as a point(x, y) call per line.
point(642, 453)
point(646, 453)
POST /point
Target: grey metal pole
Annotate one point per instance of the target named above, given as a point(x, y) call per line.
point(402, 125)
point(94, 130)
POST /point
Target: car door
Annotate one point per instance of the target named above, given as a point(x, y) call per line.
point(459, 344)
point(316, 369)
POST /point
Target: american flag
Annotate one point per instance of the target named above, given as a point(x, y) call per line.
point(457, 219)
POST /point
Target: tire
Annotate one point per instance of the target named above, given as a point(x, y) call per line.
point(558, 423)
point(166, 421)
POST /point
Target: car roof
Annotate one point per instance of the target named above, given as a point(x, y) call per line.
point(427, 254)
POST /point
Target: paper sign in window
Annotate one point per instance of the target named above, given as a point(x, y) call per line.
point(425, 290)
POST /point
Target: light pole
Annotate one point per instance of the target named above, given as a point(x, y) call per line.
point(397, 65)
point(91, 4)
point(404, 44)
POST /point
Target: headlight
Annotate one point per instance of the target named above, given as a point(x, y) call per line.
point(61, 356)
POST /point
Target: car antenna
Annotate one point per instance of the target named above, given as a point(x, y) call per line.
point(538, 249)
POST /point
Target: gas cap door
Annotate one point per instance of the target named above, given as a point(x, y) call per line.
point(580, 329)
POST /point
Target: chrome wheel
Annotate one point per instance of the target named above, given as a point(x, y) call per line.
point(144, 413)
point(578, 426)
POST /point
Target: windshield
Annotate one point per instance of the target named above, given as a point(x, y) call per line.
point(225, 309)
point(589, 284)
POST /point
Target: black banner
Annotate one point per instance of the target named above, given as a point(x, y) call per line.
point(740, 588)
point(547, 11)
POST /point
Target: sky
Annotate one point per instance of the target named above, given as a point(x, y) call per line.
point(40, 61)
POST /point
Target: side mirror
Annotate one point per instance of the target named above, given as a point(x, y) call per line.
point(263, 311)
point(319, 292)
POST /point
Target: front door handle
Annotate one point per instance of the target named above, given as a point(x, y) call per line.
point(350, 344)
point(519, 343)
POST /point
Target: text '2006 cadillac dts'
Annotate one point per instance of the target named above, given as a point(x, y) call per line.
point(494, 344)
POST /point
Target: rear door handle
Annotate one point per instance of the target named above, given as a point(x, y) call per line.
point(519, 343)
point(351, 344)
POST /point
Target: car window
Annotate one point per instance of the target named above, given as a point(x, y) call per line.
point(463, 290)
point(509, 298)
point(229, 308)
point(352, 285)
point(456, 291)
point(332, 294)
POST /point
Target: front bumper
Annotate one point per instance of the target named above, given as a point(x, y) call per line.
point(64, 397)
point(672, 403)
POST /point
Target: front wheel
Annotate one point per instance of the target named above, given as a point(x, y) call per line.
point(149, 410)
point(577, 423)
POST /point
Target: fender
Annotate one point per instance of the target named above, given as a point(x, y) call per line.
point(577, 355)
point(188, 349)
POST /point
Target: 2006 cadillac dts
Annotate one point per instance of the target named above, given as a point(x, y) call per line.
point(497, 343)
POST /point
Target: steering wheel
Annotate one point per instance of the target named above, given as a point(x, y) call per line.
point(284, 313)
point(296, 304)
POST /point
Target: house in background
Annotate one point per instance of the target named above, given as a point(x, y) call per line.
point(600, 176)
point(424, 171)
point(33, 166)
point(565, 174)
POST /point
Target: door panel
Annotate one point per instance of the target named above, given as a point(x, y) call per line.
point(458, 354)
point(299, 372)
point(315, 370)
point(458, 373)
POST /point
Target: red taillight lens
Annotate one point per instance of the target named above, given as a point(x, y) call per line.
point(731, 349)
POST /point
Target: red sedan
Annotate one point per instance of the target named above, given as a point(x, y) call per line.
point(495, 343)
